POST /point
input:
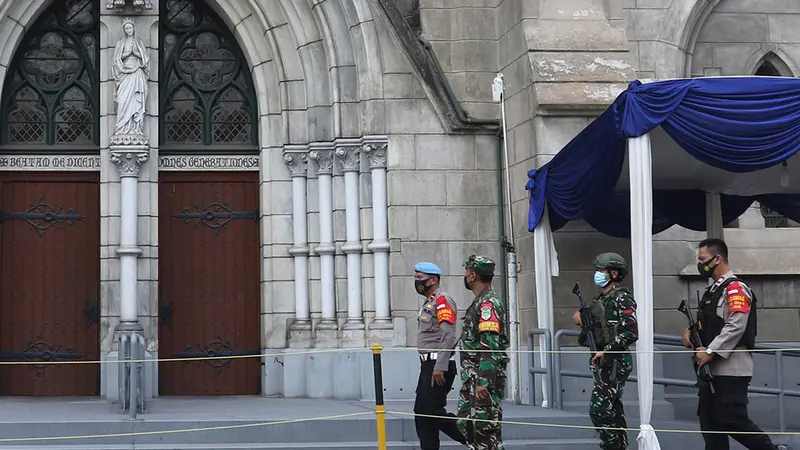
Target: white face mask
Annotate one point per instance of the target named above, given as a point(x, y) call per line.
point(600, 279)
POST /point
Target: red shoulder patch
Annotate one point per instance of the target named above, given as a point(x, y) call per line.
point(488, 321)
point(444, 312)
point(738, 299)
point(627, 311)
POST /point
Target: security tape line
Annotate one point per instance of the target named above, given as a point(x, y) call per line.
point(589, 427)
point(384, 350)
point(186, 430)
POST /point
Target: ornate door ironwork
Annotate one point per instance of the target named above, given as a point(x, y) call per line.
point(215, 349)
point(40, 351)
point(40, 216)
point(215, 215)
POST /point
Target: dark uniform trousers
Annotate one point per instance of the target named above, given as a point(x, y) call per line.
point(726, 410)
point(432, 400)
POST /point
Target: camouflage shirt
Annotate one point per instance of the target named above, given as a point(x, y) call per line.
point(620, 324)
point(483, 329)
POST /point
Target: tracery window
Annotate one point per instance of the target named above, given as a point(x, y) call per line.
point(773, 219)
point(50, 95)
point(206, 90)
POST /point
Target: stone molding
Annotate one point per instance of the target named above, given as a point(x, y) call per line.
point(135, 6)
point(129, 159)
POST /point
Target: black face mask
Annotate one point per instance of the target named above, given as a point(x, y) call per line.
point(466, 284)
point(704, 269)
point(420, 286)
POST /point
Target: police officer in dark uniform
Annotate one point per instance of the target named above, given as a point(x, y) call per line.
point(436, 341)
point(726, 321)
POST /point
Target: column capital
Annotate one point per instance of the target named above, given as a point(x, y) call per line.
point(322, 155)
point(296, 159)
point(348, 151)
point(129, 158)
point(375, 148)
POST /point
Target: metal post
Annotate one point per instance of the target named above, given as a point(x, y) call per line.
point(122, 375)
point(558, 400)
point(380, 411)
point(133, 389)
point(781, 394)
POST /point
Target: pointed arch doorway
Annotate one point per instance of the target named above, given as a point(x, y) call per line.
point(209, 240)
point(50, 206)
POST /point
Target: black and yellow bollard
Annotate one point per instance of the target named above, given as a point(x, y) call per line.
point(380, 410)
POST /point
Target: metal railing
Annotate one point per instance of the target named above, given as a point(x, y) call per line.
point(554, 375)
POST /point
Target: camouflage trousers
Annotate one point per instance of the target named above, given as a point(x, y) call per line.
point(605, 407)
point(484, 431)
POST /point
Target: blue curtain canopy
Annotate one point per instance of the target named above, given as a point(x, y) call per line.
point(729, 127)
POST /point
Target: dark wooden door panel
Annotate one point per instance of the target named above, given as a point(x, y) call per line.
point(209, 300)
point(49, 283)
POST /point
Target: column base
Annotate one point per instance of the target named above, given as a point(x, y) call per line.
point(301, 334)
point(354, 337)
point(326, 335)
point(388, 333)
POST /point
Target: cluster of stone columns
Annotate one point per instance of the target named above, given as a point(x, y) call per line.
point(342, 157)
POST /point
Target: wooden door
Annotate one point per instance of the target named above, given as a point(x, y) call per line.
point(49, 283)
point(209, 296)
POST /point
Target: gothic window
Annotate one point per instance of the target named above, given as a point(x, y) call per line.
point(206, 91)
point(51, 91)
point(767, 69)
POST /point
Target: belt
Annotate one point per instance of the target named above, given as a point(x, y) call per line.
point(433, 355)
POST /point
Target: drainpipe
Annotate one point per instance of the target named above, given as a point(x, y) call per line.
point(498, 94)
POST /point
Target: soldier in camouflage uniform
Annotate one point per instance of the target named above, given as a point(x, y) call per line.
point(614, 313)
point(483, 372)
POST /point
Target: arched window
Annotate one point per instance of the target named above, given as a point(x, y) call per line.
point(767, 69)
point(771, 218)
point(206, 90)
point(51, 91)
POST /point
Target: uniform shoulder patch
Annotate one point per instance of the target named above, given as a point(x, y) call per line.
point(444, 311)
point(488, 322)
point(738, 299)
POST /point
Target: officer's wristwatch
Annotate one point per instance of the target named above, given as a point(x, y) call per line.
point(709, 351)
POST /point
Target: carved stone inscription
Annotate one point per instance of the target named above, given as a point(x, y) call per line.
point(222, 163)
point(44, 162)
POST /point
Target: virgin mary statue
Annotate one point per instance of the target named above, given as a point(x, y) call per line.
point(131, 68)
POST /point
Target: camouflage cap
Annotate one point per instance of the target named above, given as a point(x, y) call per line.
point(480, 264)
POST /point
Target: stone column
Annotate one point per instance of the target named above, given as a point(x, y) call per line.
point(296, 159)
point(348, 152)
point(375, 148)
point(129, 159)
point(327, 330)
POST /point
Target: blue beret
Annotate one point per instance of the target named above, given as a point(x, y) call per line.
point(428, 268)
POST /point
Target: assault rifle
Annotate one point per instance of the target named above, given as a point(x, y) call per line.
point(704, 375)
point(588, 327)
point(587, 321)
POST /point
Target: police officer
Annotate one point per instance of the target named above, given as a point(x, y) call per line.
point(483, 373)
point(726, 320)
point(616, 329)
point(436, 341)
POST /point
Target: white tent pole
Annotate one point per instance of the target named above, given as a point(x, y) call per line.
point(641, 187)
point(714, 225)
point(543, 272)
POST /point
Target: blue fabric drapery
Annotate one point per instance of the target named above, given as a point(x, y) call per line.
point(735, 124)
